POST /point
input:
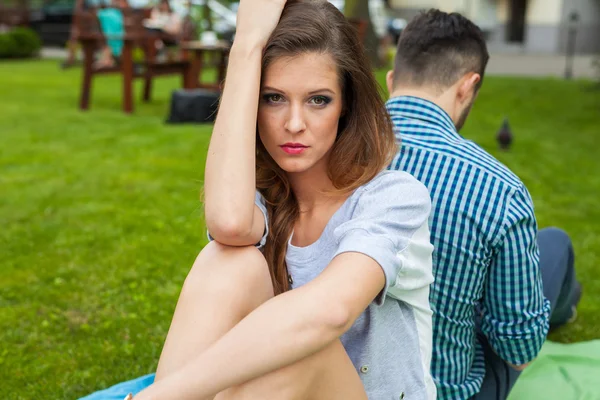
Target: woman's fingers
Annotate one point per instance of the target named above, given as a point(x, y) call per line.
point(256, 20)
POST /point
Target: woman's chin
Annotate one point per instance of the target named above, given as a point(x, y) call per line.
point(294, 166)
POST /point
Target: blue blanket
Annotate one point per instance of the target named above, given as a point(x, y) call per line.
point(119, 391)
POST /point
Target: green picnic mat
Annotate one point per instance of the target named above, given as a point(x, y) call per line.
point(562, 371)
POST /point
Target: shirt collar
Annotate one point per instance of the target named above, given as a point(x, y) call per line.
point(410, 107)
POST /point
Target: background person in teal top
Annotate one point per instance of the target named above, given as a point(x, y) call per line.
point(111, 23)
point(72, 44)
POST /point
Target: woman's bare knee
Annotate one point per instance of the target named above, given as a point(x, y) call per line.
point(234, 272)
point(224, 285)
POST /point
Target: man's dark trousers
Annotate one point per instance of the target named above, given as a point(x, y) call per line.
point(560, 288)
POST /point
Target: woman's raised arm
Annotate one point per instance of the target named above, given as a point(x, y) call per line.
point(229, 180)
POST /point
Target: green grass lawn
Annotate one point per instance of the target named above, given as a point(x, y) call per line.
point(101, 218)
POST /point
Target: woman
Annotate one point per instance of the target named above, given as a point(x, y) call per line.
point(315, 284)
point(72, 43)
point(111, 22)
point(164, 19)
point(167, 25)
point(113, 28)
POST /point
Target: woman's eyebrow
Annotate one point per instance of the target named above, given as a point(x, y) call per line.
point(271, 89)
point(323, 90)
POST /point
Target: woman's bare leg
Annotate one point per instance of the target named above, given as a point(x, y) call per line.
point(326, 375)
point(106, 59)
point(224, 285)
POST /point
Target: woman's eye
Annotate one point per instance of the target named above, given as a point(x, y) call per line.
point(320, 100)
point(273, 98)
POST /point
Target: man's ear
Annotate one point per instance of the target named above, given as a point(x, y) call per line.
point(468, 87)
point(389, 81)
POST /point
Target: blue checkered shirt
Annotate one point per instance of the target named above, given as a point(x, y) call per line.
point(486, 259)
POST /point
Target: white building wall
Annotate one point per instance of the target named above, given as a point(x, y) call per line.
point(413, 3)
point(587, 27)
point(546, 21)
point(502, 11)
point(544, 12)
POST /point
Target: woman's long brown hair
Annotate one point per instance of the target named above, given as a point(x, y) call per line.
point(365, 143)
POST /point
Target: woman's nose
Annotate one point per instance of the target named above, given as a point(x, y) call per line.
point(295, 122)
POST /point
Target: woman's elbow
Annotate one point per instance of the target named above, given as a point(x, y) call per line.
point(228, 231)
point(336, 319)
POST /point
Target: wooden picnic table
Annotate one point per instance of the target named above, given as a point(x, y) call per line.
point(198, 49)
point(135, 35)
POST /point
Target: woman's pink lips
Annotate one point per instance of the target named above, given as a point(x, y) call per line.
point(293, 148)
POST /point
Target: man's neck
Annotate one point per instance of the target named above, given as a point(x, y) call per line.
point(441, 100)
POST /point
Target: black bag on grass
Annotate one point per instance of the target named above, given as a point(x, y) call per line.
point(197, 105)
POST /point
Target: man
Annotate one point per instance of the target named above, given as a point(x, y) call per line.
point(491, 316)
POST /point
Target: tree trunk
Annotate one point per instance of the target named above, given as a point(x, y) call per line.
point(360, 9)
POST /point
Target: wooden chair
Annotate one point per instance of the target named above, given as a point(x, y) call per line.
point(13, 15)
point(180, 64)
point(89, 34)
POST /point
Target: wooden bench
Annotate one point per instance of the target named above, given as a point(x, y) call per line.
point(89, 34)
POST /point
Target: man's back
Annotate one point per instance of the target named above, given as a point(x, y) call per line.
point(485, 258)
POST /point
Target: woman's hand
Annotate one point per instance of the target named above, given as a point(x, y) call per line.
point(256, 20)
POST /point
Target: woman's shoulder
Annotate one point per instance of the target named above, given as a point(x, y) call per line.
point(395, 185)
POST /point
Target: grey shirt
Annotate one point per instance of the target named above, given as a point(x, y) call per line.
point(390, 343)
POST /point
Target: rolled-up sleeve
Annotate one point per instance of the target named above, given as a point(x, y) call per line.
point(259, 201)
point(515, 311)
point(386, 216)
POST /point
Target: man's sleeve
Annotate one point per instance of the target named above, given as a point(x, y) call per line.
point(515, 311)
